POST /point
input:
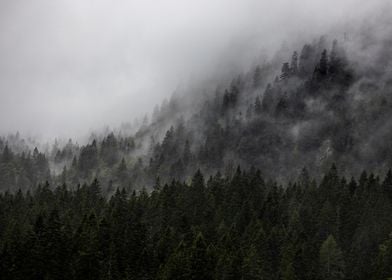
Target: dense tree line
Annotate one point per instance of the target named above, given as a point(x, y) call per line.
point(238, 227)
point(22, 171)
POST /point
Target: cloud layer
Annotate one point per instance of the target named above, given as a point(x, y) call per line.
point(68, 66)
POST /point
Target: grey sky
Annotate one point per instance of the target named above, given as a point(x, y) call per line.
point(67, 66)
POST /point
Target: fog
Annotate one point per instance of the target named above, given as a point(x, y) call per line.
point(69, 66)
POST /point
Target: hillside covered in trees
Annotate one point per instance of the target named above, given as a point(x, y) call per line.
point(278, 173)
point(216, 228)
point(317, 109)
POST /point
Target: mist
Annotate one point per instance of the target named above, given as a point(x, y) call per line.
point(68, 67)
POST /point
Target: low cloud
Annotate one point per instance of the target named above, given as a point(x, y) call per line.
point(69, 66)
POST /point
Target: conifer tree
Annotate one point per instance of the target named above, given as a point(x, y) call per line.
point(285, 74)
point(331, 260)
point(257, 77)
point(294, 64)
point(258, 106)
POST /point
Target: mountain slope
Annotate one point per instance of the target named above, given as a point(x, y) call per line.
point(323, 106)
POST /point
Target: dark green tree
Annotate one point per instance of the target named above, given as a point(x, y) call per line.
point(332, 266)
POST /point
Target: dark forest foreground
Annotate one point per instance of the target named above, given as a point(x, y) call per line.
point(220, 228)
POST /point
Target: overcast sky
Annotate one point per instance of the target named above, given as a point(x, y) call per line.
point(68, 66)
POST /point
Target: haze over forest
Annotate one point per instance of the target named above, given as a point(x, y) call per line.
point(69, 67)
point(205, 140)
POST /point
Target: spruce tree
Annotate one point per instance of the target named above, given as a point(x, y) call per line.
point(332, 266)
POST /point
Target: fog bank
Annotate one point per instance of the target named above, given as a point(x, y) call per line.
point(70, 66)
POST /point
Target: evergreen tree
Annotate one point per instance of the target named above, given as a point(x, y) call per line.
point(294, 64)
point(177, 267)
point(200, 263)
point(285, 74)
point(331, 260)
point(387, 184)
point(122, 173)
point(305, 64)
point(257, 77)
point(321, 70)
point(258, 106)
point(252, 266)
point(383, 269)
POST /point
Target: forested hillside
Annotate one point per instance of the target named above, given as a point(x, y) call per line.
point(242, 227)
point(317, 109)
point(196, 140)
point(278, 173)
